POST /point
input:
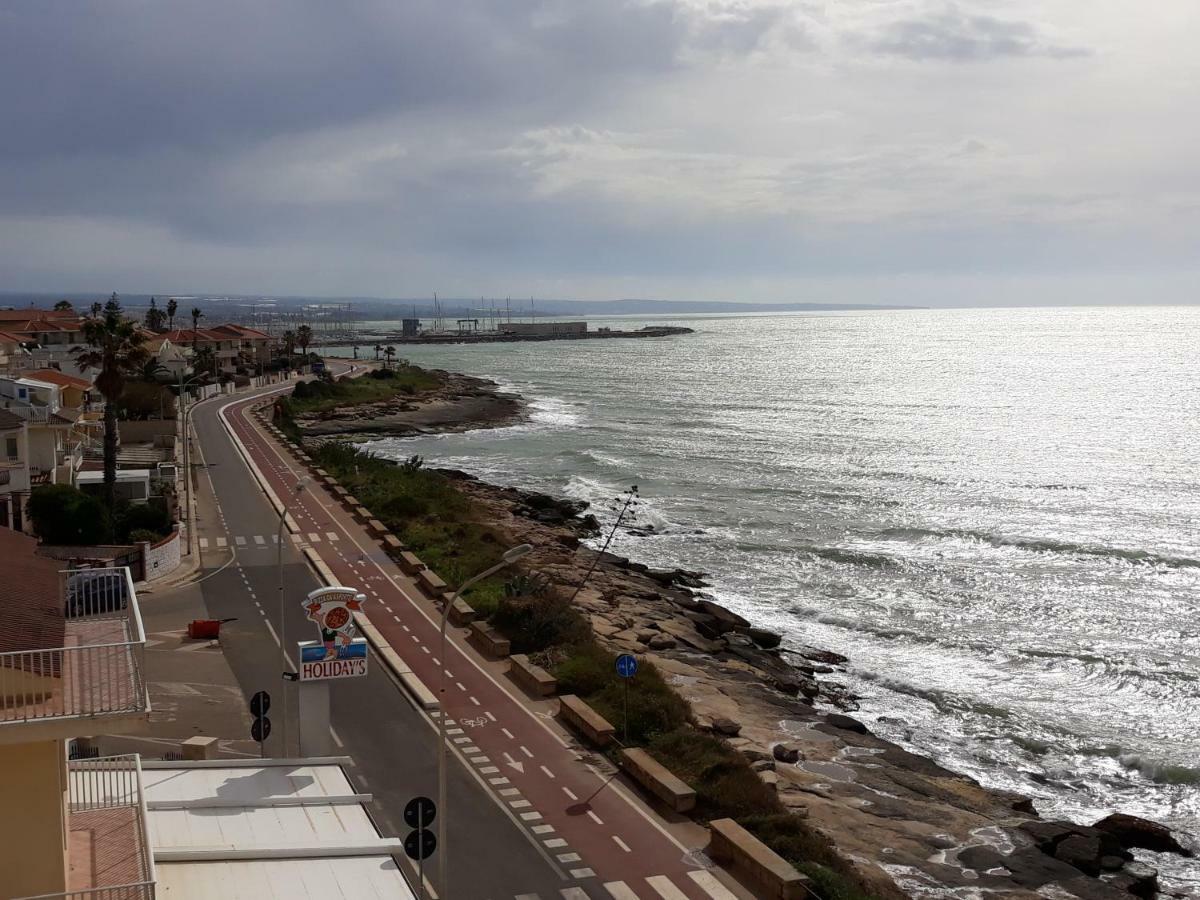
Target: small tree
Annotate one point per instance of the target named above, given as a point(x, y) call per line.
point(389, 353)
point(172, 308)
point(64, 306)
point(62, 514)
point(304, 336)
point(204, 360)
point(378, 350)
point(114, 349)
point(154, 316)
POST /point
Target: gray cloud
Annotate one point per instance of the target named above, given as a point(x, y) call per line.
point(951, 34)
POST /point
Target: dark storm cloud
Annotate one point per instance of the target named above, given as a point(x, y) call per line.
point(951, 34)
point(121, 76)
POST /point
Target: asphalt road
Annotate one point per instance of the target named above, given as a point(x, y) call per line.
point(393, 744)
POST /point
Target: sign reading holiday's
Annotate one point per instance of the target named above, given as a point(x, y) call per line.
point(339, 653)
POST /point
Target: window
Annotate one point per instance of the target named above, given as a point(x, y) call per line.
point(10, 447)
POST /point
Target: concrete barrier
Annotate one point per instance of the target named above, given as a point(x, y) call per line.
point(362, 514)
point(391, 543)
point(321, 473)
point(341, 493)
point(408, 679)
point(349, 501)
point(533, 679)
point(376, 527)
point(487, 640)
point(330, 482)
point(765, 871)
point(461, 614)
point(410, 563)
point(431, 584)
point(585, 720)
point(658, 780)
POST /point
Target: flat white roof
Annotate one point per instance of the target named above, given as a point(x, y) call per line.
point(253, 829)
point(122, 475)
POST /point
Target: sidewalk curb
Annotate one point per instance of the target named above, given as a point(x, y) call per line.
point(416, 688)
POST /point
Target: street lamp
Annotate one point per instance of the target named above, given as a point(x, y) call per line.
point(297, 490)
point(509, 557)
point(184, 409)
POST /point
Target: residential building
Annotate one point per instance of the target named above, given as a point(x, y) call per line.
point(54, 438)
point(14, 470)
point(233, 345)
point(176, 359)
point(72, 663)
point(77, 393)
point(12, 354)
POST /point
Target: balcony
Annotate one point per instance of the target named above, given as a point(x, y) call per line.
point(97, 679)
point(109, 854)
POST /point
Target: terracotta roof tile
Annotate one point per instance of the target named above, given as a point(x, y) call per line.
point(31, 614)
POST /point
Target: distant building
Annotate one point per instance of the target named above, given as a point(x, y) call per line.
point(233, 345)
point(544, 328)
point(410, 327)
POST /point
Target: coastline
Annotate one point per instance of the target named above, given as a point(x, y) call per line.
point(895, 816)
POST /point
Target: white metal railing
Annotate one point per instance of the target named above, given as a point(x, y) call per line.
point(36, 414)
point(102, 674)
point(112, 783)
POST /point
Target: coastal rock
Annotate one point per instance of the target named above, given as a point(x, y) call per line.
point(1132, 831)
point(828, 657)
point(728, 619)
point(753, 754)
point(846, 723)
point(787, 753)
point(660, 641)
point(1081, 852)
point(770, 779)
point(1091, 889)
point(766, 639)
point(763, 765)
point(981, 858)
point(1136, 878)
point(726, 727)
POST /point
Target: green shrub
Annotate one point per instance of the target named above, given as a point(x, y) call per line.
point(726, 786)
point(131, 517)
point(538, 621)
point(142, 534)
point(62, 514)
point(586, 671)
point(653, 706)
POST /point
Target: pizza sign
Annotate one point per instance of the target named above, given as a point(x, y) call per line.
point(340, 653)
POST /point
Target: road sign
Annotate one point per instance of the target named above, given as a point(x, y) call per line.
point(260, 729)
point(420, 844)
point(319, 661)
point(260, 703)
point(626, 665)
point(419, 812)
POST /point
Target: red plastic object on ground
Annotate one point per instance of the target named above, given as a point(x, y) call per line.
point(204, 629)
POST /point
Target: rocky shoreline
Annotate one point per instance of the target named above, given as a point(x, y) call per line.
point(459, 403)
point(934, 832)
point(907, 825)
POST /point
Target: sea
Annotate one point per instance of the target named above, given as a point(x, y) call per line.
point(995, 514)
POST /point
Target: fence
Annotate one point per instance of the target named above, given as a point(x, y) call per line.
point(105, 798)
point(102, 672)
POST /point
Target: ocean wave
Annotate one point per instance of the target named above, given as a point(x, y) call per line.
point(552, 411)
point(1159, 772)
point(849, 557)
point(1044, 545)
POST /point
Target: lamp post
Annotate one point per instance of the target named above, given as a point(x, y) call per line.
point(184, 410)
point(510, 556)
point(297, 490)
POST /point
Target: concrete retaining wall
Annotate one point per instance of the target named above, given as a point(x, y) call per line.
point(160, 559)
point(534, 679)
point(658, 780)
point(761, 868)
point(487, 640)
point(431, 584)
point(585, 720)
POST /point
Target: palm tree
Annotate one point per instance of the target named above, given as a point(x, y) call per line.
point(172, 308)
point(378, 350)
point(64, 306)
point(150, 369)
point(205, 360)
point(114, 348)
point(389, 352)
point(196, 317)
point(304, 336)
point(289, 344)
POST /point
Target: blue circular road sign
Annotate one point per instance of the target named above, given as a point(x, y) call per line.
point(626, 665)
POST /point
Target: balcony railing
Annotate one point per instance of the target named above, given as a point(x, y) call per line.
point(99, 671)
point(107, 824)
point(34, 414)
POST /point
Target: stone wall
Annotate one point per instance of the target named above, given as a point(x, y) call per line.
point(162, 558)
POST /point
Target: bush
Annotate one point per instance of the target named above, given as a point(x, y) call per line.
point(538, 621)
point(653, 705)
point(147, 517)
point(141, 534)
point(726, 786)
point(141, 400)
point(62, 514)
point(586, 671)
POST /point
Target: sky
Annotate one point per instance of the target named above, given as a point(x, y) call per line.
point(975, 152)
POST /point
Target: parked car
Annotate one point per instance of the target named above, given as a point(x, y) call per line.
point(91, 592)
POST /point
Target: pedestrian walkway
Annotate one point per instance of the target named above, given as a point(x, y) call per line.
point(266, 541)
point(656, 887)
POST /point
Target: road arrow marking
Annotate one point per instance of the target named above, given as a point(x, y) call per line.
point(520, 767)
